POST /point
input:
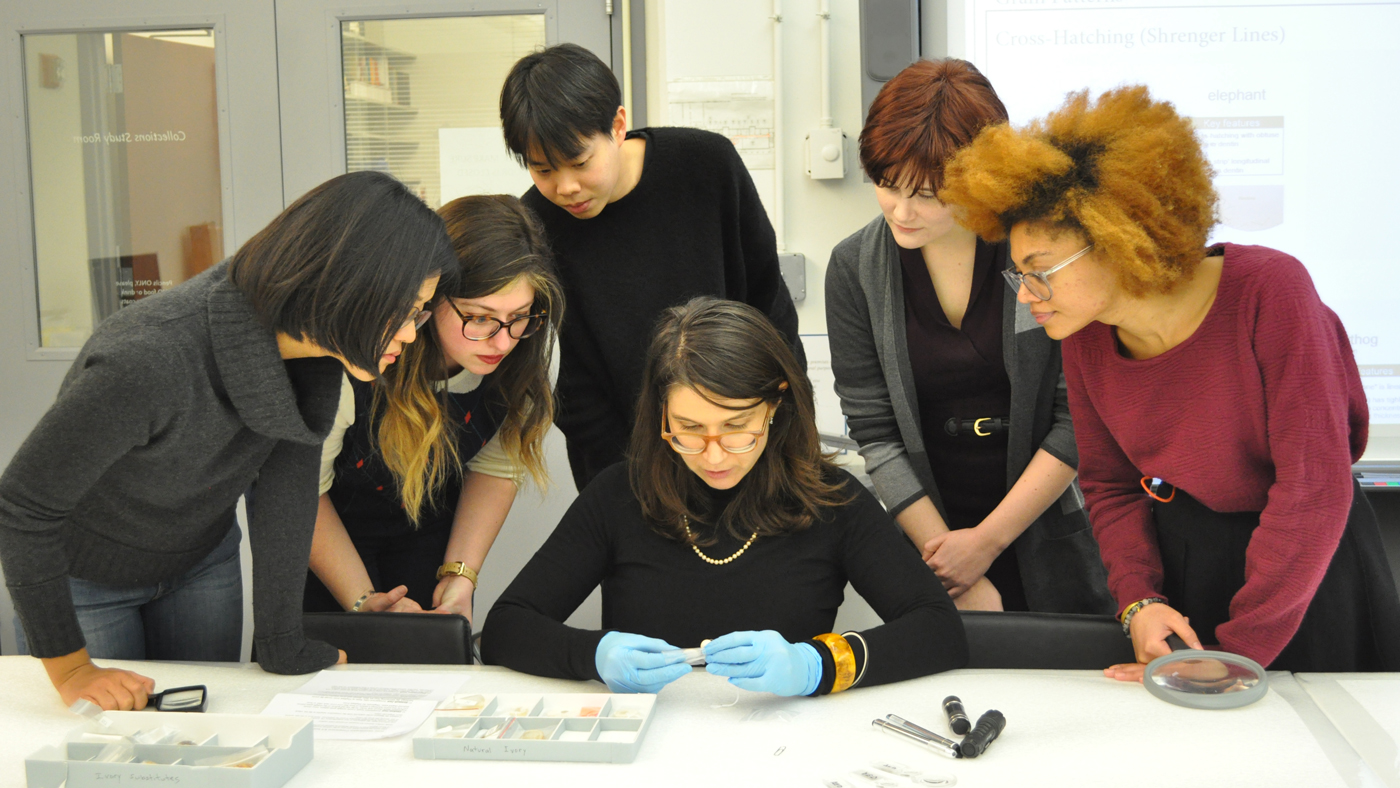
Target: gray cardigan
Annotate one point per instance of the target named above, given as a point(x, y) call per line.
point(1057, 555)
point(173, 407)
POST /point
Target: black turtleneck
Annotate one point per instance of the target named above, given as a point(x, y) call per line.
point(658, 587)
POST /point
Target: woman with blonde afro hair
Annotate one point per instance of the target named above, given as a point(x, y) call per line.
point(1217, 406)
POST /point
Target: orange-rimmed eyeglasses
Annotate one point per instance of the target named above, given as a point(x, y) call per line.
point(741, 442)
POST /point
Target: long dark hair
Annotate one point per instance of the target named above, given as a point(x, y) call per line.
point(343, 265)
point(729, 350)
point(497, 241)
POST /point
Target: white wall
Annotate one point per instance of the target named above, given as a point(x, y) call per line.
point(689, 38)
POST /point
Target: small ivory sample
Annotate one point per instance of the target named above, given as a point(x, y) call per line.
point(463, 702)
point(491, 732)
point(243, 759)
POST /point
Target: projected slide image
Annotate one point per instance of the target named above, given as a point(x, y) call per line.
point(1248, 147)
point(1295, 105)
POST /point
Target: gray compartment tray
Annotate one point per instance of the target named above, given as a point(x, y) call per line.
point(562, 727)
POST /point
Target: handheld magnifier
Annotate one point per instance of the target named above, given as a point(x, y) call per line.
point(1205, 679)
point(194, 699)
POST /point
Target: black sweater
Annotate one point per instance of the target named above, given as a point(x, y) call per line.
point(693, 225)
point(172, 409)
point(658, 587)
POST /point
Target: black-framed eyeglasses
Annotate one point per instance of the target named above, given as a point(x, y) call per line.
point(1038, 282)
point(479, 327)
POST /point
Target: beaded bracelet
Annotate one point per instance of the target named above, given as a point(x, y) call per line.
point(360, 603)
point(1132, 610)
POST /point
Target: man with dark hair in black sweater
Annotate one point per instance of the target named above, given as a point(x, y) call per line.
point(682, 219)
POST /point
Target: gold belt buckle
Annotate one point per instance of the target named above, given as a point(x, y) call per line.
point(977, 428)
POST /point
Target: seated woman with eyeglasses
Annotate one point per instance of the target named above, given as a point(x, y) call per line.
point(419, 473)
point(727, 525)
point(1217, 406)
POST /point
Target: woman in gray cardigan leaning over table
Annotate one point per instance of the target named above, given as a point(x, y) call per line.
point(949, 386)
point(117, 527)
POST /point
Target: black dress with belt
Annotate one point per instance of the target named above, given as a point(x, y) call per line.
point(960, 375)
point(366, 497)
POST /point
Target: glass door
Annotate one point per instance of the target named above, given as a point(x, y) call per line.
point(138, 150)
point(412, 89)
point(125, 177)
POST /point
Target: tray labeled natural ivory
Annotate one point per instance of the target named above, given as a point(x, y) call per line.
point(147, 747)
point(569, 727)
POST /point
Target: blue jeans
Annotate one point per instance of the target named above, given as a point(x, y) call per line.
point(196, 616)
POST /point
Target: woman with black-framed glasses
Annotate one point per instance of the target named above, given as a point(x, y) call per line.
point(728, 532)
point(418, 474)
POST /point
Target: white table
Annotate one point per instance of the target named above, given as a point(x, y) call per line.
point(1365, 708)
point(1064, 728)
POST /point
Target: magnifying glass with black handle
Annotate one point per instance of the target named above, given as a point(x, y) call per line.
point(192, 699)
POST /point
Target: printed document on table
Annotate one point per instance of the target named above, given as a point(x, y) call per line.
point(362, 704)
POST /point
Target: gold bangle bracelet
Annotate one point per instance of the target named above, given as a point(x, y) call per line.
point(844, 658)
point(457, 568)
point(866, 647)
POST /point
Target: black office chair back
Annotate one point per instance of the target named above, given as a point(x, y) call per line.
point(395, 638)
point(1054, 641)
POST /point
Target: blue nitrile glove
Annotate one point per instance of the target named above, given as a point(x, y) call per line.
point(632, 663)
point(765, 662)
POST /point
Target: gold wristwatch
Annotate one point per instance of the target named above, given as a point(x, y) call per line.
point(457, 568)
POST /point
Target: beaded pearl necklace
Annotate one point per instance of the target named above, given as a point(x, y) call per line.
point(685, 522)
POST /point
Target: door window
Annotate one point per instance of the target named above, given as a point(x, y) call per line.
point(422, 100)
point(124, 159)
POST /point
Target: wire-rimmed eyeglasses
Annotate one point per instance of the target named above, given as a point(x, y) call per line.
point(1038, 282)
point(419, 318)
point(479, 327)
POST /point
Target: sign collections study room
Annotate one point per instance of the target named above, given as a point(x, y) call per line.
point(814, 393)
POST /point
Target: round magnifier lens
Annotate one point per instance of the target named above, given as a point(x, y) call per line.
point(1206, 679)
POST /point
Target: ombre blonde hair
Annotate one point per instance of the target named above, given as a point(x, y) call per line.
point(497, 242)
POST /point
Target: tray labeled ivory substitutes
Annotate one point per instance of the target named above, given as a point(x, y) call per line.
point(175, 748)
point(565, 727)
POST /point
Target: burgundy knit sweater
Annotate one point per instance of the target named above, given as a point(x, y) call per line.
point(1261, 410)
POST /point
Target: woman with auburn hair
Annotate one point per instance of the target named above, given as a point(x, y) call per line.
point(958, 405)
point(725, 523)
point(419, 472)
point(1217, 405)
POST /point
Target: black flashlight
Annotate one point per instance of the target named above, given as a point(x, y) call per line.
point(989, 726)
